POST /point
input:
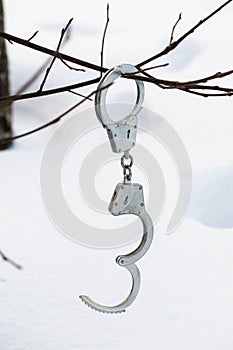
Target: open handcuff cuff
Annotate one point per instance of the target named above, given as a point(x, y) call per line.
point(128, 197)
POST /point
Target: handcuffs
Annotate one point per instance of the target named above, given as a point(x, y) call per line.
point(128, 197)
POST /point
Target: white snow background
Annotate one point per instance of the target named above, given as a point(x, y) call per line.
point(186, 296)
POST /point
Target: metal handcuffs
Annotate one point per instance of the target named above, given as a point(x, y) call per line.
point(128, 197)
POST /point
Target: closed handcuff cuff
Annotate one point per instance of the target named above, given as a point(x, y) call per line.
point(128, 197)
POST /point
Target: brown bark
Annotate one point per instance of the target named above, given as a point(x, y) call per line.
point(5, 112)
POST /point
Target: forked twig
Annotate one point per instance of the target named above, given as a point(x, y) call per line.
point(173, 29)
point(174, 44)
point(64, 30)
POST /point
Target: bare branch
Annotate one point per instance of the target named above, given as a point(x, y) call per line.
point(147, 78)
point(13, 263)
point(53, 121)
point(47, 51)
point(65, 88)
point(174, 44)
point(155, 67)
point(103, 40)
point(186, 85)
point(173, 29)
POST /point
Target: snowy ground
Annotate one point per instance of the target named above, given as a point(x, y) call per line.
point(185, 301)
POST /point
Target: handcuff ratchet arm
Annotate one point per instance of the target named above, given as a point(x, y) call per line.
point(128, 199)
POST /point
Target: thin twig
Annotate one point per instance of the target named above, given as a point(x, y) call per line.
point(149, 68)
point(173, 29)
point(70, 67)
point(174, 44)
point(10, 261)
point(55, 120)
point(217, 75)
point(103, 41)
point(31, 80)
point(54, 58)
point(155, 67)
point(33, 36)
point(78, 94)
point(207, 94)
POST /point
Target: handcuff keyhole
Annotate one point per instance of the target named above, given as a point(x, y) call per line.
point(128, 133)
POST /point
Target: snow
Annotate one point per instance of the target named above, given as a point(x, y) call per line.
point(185, 300)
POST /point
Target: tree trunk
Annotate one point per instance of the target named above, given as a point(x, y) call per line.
point(5, 112)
